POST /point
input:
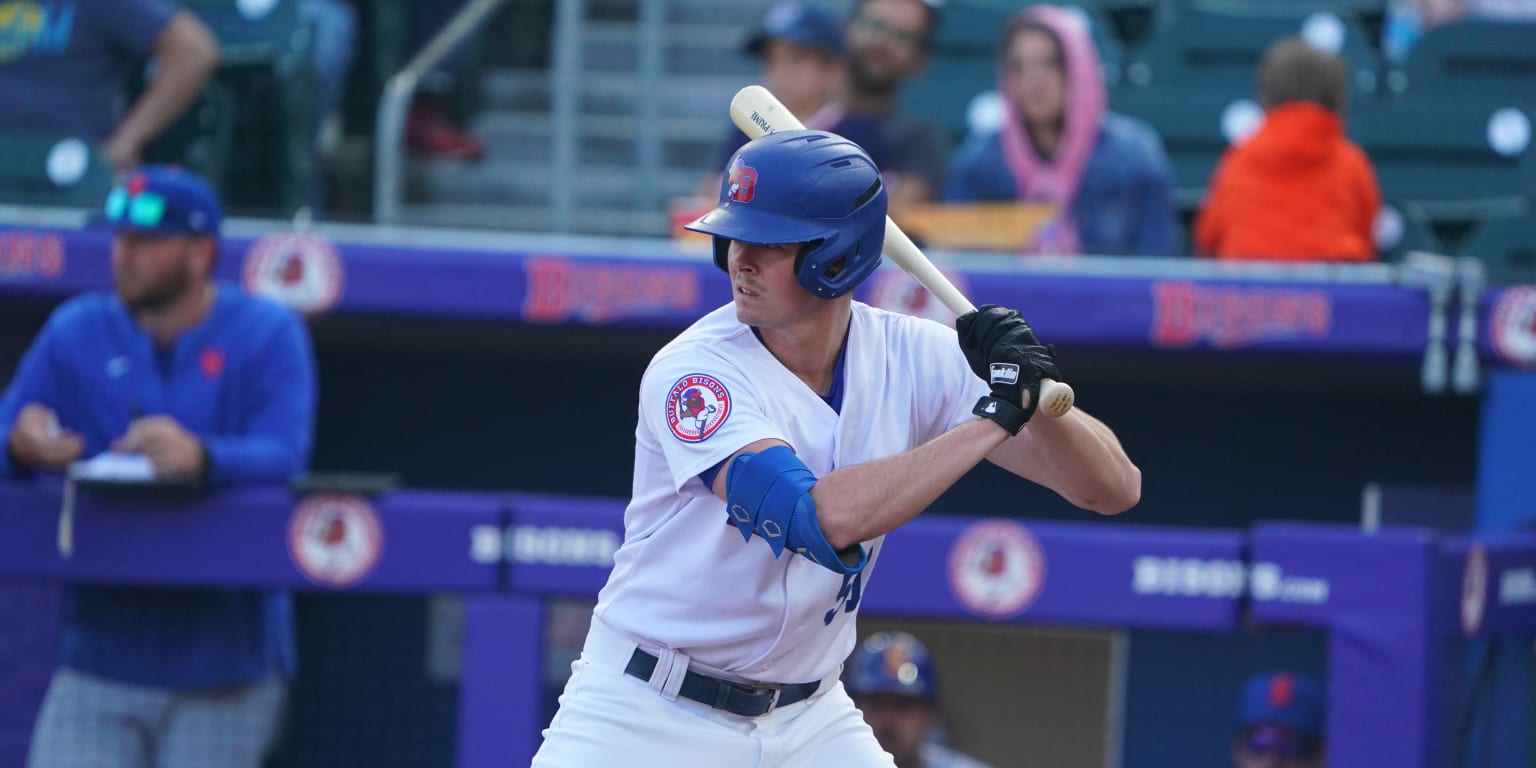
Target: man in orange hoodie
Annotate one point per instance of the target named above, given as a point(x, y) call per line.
point(1298, 188)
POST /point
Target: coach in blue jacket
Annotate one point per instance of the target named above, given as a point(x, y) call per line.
point(209, 384)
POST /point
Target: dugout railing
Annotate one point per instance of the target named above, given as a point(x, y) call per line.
point(1396, 602)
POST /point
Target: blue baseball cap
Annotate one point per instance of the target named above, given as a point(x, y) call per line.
point(892, 662)
point(163, 199)
point(799, 23)
point(1285, 699)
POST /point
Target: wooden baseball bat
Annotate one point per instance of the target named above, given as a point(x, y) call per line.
point(757, 112)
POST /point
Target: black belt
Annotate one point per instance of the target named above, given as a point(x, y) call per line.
point(737, 698)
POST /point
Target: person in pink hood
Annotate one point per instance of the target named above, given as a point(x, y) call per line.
point(1297, 189)
point(1107, 174)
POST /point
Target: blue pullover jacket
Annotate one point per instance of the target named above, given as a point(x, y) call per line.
point(243, 381)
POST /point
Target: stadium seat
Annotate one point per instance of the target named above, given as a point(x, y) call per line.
point(964, 61)
point(1457, 159)
point(267, 69)
point(1507, 247)
point(1402, 228)
point(249, 32)
point(203, 137)
point(1496, 60)
point(1194, 125)
point(1194, 78)
point(52, 170)
point(1219, 51)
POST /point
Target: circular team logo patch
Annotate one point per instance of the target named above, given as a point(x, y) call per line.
point(996, 568)
point(1513, 325)
point(697, 406)
point(1474, 591)
point(301, 271)
point(335, 539)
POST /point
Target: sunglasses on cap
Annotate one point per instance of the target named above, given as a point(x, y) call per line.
point(1277, 740)
point(144, 209)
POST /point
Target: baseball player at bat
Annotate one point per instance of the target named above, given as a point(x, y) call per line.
point(720, 635)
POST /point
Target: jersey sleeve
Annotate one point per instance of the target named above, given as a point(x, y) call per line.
point(137, 24)
point(39, 379)
point(700, 409)
point(952, 387)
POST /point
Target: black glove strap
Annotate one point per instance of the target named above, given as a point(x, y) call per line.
point(1006, 414)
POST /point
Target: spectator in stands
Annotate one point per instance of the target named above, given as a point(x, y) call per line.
point(433, 127)
point(1407, 20)
point(1298, 188)
point(887, 44)
point(891, 680)
point(335, 28)
point(847, 82)
point(1106, 174)
point(1280, 723)
point(63, 63)
point(211, 386)
point(799, 47)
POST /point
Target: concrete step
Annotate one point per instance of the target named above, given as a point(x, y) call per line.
point(691, 49)
point(514, 182)
point(587, 221)
point(502, 217)
point(740, 15)
point(519, 131)
point(517, 89)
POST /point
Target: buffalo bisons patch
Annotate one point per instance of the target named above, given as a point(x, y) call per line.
point(697, 406)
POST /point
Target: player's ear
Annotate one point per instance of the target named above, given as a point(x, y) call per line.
point(205, 255)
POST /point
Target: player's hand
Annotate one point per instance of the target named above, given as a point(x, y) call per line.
point(37, 440)
point(170, 448)
point(122, 152)
point(1002, 349)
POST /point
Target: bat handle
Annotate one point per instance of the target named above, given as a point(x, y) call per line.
point(1056, 398)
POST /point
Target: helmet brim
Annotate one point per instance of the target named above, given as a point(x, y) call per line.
point(752, 225)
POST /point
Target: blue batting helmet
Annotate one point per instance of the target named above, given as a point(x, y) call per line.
point(1284, 698)
point(810, 187)
point(891, 662)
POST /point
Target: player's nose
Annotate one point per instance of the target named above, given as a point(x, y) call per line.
point(746, 257)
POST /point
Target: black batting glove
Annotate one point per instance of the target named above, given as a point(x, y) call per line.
point(1002, 349)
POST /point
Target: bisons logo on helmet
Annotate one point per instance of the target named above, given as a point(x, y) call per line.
point(743, 180)
point(696, 407)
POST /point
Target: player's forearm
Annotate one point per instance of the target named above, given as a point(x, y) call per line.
point(861, 502)
point(251, 459)
point(1087, 463)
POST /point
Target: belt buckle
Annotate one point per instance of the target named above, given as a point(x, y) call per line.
point(773, 695)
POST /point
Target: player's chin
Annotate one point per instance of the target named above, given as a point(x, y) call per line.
point(746, 310)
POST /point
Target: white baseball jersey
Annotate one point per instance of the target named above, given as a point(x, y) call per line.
point(684, 579)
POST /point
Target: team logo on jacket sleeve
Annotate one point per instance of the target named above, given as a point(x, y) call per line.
point(697, 406)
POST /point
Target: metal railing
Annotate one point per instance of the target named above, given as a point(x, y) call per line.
point(390, 126)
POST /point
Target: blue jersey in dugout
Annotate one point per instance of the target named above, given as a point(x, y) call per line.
point(243, 381)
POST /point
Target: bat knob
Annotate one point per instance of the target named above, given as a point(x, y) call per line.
point(1056, 398)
